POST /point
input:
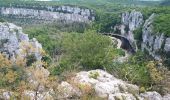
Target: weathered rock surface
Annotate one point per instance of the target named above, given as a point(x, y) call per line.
point(32, 95)
point(104, 84)
point(154, 43)
point(130, 22)
point(66, 90)
point(14, 43)
point(151, 96)
point(49, 13)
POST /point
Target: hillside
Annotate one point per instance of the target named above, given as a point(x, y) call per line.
point(84, 50)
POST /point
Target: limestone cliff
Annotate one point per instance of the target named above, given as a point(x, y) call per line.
point(14, 43)
point(49, 13)
point(155, 43)
point(130, 21)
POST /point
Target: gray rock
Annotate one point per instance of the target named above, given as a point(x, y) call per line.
point(132, 19)
point(151, 96)
point(167, 45)
point(166, 97)
point(121, 96)
point(130, 22)
point(66, 90)
point(31, 95)
point(154, 42)
point(14, 43)
point(66, 13)
point(105, 84)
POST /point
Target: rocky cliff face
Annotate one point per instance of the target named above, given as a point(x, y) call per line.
point(14, 43)
point(130, 22)
point(154, 43)
point(66, 13)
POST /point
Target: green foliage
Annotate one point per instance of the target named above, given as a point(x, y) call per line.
point(162, 24)
point(94, 75)
point(138, 36)
point(2, 20)
point(139, 69)
point(30, 59)
point(105, 22)
point(45, 36)
point(49, 35)
point(89, 50)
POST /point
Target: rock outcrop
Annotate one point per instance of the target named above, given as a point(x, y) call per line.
point(99, 82)
point(14, 43)
point(104, 83)
point(49, 13)
point(107, 86)
point(130, 21)
point(154, 42)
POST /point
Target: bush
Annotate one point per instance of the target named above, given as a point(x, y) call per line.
point(2, 20)
point(30, 59)
point(11, 74)
point(140, 70)
point(89, 50)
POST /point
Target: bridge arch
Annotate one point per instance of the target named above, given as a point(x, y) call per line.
point(125, 42)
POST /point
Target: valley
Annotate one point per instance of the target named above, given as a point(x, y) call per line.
point(84, 50)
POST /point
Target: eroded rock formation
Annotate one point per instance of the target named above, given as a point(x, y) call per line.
point(130, 22)
point(14, 43)
point(49, 13)
point(154, 42)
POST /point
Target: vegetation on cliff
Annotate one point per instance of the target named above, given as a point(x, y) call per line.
point(72, 47)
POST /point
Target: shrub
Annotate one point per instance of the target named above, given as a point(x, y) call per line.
point(2, 20)
point(11, 74)
point(140, 70)
point(155, 75)
point(30, 59)
point(89, 50)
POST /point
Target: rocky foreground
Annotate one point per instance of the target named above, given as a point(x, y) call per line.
point(100, 82)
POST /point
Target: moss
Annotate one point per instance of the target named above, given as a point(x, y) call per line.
point(94, 75)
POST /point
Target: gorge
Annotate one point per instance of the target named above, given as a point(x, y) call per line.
point(95, 50)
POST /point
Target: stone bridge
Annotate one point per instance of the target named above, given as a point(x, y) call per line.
point(125, 42)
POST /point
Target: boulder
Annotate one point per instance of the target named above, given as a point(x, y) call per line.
point(32, 95)
point(166, 97)
point(104, 83)
point(66, 90)
point(151, 96)
point(121, 96)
